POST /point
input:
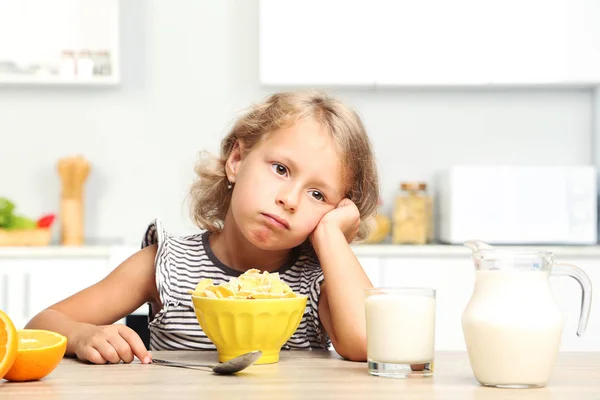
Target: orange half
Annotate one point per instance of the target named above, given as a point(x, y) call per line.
point(8, 344)
point(39, 353)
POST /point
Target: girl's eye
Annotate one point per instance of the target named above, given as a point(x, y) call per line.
point(279, 169)
point(317, 195)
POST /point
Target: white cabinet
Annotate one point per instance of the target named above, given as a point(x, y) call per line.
point(9, 303)
point(453, 277)
point(59, 42)
point(372, 266)
point(30, 285)
point(50, 282)
point(316, 42)
point(430, 42)
point(31, 280)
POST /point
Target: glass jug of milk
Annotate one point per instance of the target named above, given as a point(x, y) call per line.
point(512, 326)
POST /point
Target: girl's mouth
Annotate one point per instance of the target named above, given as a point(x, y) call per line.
point(276, 221)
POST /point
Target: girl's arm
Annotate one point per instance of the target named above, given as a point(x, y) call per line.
point(342, 299)
point(85, 318)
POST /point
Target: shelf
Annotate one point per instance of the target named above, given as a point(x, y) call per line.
point(442, 250)
point(29, 80)
point(370, 250)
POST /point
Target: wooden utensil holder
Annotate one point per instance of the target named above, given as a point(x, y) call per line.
point(71, 221)
point(73, 173)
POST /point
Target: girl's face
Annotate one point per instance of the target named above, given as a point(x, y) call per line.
point(285, 185)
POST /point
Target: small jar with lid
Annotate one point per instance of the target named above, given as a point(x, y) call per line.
point(413, 215)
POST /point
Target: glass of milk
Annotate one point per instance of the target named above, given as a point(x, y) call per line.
point(400, 331)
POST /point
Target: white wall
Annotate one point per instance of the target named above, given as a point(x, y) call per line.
point(189, 66)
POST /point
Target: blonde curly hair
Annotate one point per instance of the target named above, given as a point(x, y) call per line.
point(210, 196)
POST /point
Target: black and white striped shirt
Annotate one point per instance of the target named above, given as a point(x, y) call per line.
point(180, 264)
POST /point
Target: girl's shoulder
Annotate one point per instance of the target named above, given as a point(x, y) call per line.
point(181, 253)
point(181, 261)
point(156, 234)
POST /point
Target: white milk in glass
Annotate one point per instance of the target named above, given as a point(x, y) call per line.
point(400, 326)
point(512, 328)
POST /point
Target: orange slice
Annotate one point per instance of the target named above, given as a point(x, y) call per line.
point(38, 354)
point(8, 344)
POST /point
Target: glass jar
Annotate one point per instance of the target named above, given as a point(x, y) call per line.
point(413, 215)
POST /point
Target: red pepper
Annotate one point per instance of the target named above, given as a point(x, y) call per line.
point(46, 221)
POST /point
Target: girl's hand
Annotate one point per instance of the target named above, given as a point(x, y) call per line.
point(344, 217)
point(110, 344)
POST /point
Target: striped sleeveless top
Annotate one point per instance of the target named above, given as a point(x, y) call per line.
point(180, 264)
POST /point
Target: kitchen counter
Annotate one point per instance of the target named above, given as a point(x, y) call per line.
point(32, 279)
point(298, 375)
point(56, 251)
point(361, 250)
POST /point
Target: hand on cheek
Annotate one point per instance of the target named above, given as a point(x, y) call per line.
point(344, 217)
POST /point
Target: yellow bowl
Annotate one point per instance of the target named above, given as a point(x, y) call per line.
point(238, 326)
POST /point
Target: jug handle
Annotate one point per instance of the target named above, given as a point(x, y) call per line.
point(586, 291)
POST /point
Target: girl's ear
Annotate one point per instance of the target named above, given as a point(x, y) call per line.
point(232, 164)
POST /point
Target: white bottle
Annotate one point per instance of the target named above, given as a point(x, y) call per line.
point(85, 65)
point(67, 67)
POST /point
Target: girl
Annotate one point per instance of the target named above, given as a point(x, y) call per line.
point(294, 185)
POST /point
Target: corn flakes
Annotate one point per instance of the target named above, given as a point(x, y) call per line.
point(252, 284)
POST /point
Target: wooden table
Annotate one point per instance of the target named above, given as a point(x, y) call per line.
point(298, 375)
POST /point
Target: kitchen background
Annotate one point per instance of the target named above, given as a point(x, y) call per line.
point(186, 68)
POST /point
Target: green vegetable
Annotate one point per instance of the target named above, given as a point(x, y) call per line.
point(20, 222)
point(8, 220)
point(6, 212)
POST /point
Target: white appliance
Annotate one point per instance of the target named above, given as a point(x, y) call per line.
point(518, 204)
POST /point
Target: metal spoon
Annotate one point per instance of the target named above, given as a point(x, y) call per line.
point(225, 368)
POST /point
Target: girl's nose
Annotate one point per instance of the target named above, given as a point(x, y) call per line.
point(288, 197)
